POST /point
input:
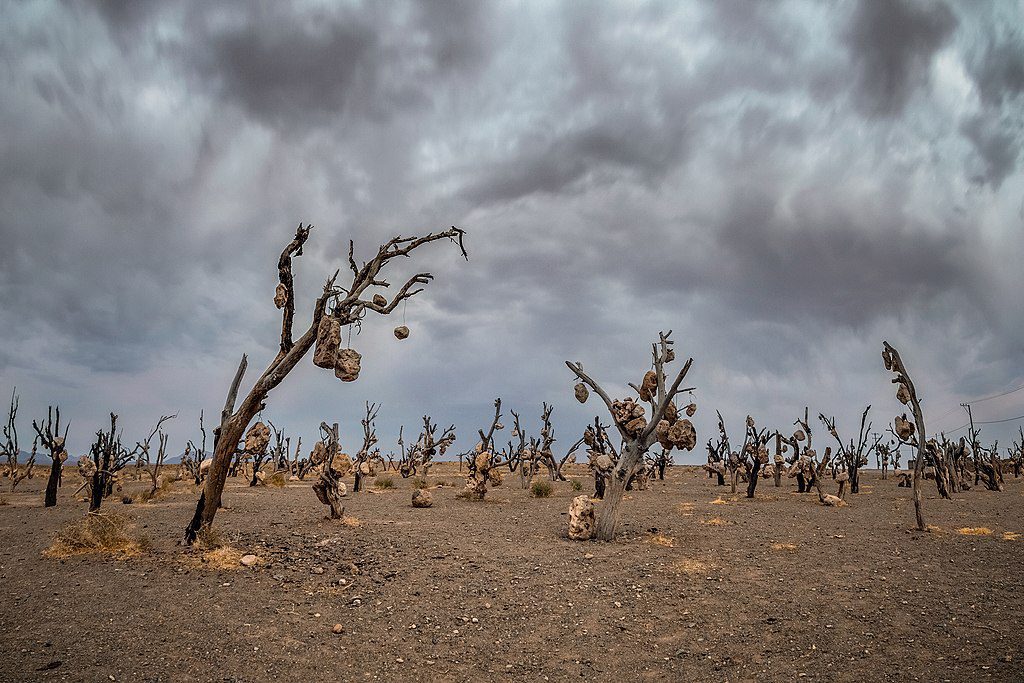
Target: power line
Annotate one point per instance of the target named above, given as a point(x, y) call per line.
point(992, 422)
point(989, 398)
point(982, 422)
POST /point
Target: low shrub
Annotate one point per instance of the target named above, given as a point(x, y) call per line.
point(541, 488)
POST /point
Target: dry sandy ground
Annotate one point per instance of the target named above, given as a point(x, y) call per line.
point(701, 585)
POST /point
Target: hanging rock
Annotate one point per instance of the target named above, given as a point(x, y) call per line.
point(401, 332)
point(328, 339)
point(581, 391)
point(903, 394)
point(379, 300)
point(280, 295)
point(649, 386)
point(257, 438)
point(691, 410)
point(683, 435)
point(904, 427)
point(347, 367)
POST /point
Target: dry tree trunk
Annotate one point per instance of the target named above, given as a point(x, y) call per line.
point(637, 433)
point(893, 362)
point(50, 437)
point(348, 307)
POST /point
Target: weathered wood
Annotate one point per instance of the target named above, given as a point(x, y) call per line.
point(348, 306)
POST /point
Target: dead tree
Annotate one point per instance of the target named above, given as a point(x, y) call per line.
point(109, 456)
point(800, 465)
point(329, 488)
point(854, 455)
point(883, 454)
point(718, 453)
point(820, 468)
point(194, 456)
point(145, 460)
point(601, 454)
point(52, 440)
point(364, 460)
point(12, 449)
point(638, 434)
point(337, 306)
point(541, 448)
point(420, 456)
point(907, 395)
point(522, 457)
point(1016, 454)
point(256, 451)
point(755, 454)
point(986, 465)
point(779, 461)
point(485, 462)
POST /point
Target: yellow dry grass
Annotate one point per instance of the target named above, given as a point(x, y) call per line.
point(111, 534)
point(351, 521)
point(662, 540)
point(974, 531)
point(1011, 536)
point(692, 566)
point(685, 508)
point(784, 546)
point(721, 501)
point(716, 521)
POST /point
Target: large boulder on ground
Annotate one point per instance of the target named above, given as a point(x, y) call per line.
point(421, 498)
point(581, 518)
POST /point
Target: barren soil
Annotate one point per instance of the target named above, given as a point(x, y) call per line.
point(701, 586)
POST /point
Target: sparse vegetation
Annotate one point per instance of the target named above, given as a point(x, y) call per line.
point(384, 483)
point(541, 489)
point(111, 533)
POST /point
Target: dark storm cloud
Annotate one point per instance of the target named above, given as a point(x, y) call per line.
point(783, 184)
point(292, 69)
point(891, 46)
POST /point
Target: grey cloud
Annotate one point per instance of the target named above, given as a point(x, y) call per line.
point(621, 168)
point(998, 67)
point(996, 142)
point(891, 46)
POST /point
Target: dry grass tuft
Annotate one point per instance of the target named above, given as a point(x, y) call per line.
point(662, 540)
point(1011, 536)
point(716, 521)
point(721, 501)
point(692, 566)
point(685, 508)
point(277, 479)
point(224, 557)
point(974, 531)
point(384, 483)
point(791, 547)
point(98, 533)
point(351, 521)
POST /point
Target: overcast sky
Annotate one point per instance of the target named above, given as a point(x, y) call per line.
point(781, 184)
